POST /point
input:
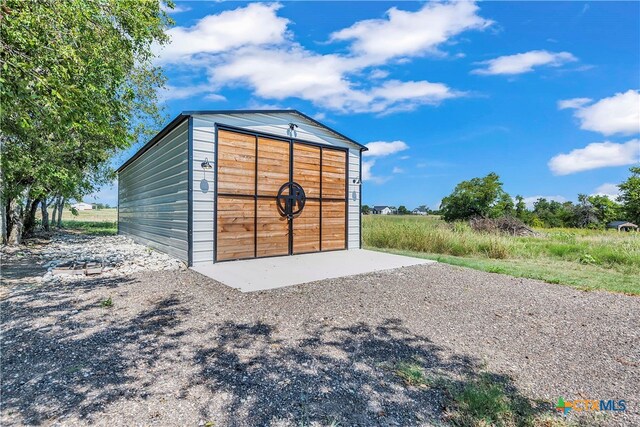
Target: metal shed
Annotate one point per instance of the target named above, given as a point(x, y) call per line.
point(224, 185)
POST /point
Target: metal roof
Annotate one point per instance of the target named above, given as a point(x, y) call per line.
point(619, 223)
point(186, 114)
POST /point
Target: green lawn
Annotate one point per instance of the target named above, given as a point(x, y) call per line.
point(584, 259)
point(102, 222)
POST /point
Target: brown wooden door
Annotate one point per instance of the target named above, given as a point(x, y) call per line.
point(251, 169)
point(236, 205)
point(321, 171)
point(273, 171)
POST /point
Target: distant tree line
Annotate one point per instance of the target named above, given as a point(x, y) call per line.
point(485, 198)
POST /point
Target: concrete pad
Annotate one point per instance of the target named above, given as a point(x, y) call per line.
point(270, 273)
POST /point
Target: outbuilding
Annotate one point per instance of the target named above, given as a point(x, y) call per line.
point(623, 226)
point(225, 185)
point(82, 206)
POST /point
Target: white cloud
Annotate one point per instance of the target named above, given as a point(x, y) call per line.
point(404, 33)
point(394, 92)
point(529, 201)
point(618, 114)
point(379, 149)
point(320, 116)
point(366, 169)
point(321, 79)
point(573, 103)
point(379, 74)
point(251, 47)
point(523, 62)
point(610, 190)
point(300, 73)
point(255, 24)
point(177, 8)
point(169, 92)
point(596, 155)
point(214, 97)
point(367, 175)
point(384, 148)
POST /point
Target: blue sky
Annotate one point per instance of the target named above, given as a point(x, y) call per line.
point(543, 93)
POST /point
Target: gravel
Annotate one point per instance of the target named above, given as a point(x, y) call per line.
point(176, 348)
point(114, 255)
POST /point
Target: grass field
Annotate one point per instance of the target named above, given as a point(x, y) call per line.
point(584, 259)
point(102, 222)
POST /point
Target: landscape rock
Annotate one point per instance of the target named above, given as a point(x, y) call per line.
point(108, 256)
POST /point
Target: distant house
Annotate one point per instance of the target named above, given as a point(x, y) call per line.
point(81, 206)
point(623, 226)
point(420, 211)
point(383, 210)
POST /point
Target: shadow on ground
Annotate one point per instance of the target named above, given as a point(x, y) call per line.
point(66, 356)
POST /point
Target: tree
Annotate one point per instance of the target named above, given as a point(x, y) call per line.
point(630, 196)
point(366, 210)
point(552, 213)
point(584, 214)
point(606, 210)
point(478, 197)
point(77, 85)
point(521, 209)
point(402, 210)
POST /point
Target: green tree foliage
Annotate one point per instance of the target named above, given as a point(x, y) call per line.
point(366, 210)
point(630, 196)
point(584, 213)
point(478, 197)
point(484, 197)
point(402, 210)
point(521, 211)
point(606, 210)
point(77, 85)
point(550, 213)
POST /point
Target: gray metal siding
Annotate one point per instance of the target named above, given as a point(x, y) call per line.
point(271, 123)
point(153, 195)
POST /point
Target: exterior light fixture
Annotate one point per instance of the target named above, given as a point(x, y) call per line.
point(292, 126)
point(206, 165)
point(357, 181)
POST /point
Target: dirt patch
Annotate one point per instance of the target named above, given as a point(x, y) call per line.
point(175, 348)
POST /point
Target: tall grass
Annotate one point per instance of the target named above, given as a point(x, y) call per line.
point(585, 249)
point(431, 236)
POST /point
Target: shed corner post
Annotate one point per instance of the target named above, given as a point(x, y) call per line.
point(118, 206)
point(190, 193)
point(360, 196)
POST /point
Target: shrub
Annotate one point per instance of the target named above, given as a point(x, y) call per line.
point(505, 224)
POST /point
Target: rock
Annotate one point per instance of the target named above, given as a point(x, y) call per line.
point(95, 255)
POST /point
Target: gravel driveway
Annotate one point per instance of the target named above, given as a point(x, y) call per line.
point(176, 348)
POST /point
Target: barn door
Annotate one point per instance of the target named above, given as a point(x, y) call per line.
point(322, 172)
point(277, 197)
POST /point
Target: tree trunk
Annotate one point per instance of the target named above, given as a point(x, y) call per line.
point(54, 213)
point(4, 224)
point(29, 221)
point(6, 209)
point(60, 207)
point(45, 214)
point(15, 217)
